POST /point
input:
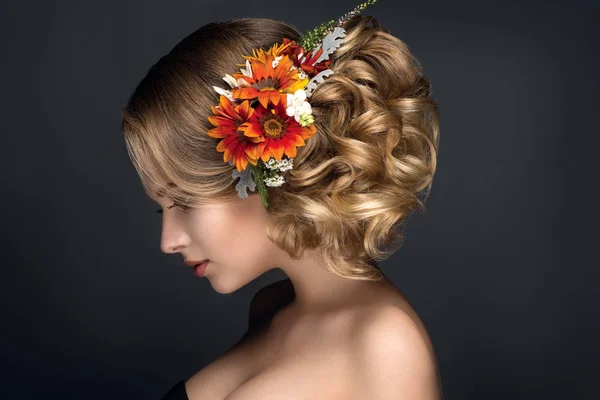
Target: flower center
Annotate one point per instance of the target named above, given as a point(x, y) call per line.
point(273, 125)
point(266, 84)
point(241, 137)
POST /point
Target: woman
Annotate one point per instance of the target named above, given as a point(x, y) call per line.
point(363, 160)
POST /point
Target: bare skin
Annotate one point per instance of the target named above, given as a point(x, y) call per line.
point(314, 335)
point(295, 355)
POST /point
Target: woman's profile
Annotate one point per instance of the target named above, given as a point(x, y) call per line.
point(266, 148)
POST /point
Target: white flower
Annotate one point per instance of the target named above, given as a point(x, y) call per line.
point(296, 99)
point(281, 165)
point(276, 61)
point(286, 165)
point(226, 93)
point(275, 181)
point(302, 74)
point(271, 163)
point(297, 105)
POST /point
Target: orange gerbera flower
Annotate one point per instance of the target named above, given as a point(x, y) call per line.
point(230, 121)
point(282, 133)
point(268, 83)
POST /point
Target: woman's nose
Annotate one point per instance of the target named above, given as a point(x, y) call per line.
point(173, 236)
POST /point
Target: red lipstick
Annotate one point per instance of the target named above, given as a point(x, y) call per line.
point(191, 263)
point(199, 266)
point(200, 270)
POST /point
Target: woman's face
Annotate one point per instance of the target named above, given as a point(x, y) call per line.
point(231, 235)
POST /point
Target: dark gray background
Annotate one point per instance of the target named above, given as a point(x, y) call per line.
point(496, 266)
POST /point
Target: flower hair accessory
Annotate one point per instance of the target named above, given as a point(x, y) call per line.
point(266, 113)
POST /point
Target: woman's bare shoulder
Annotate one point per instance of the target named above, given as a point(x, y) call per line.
point(389, 335)
point(396, 356)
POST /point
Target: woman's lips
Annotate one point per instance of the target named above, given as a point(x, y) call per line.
point(191, 263)
point(200, 269)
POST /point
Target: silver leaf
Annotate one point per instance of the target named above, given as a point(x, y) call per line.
point(331, 42)
point(312, 84)
point(245, 182)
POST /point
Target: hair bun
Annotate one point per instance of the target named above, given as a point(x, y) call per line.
point(371, 163)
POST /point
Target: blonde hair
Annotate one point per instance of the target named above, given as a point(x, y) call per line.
point(368, 167)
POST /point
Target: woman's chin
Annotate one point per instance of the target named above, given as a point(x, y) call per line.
point(223, 287)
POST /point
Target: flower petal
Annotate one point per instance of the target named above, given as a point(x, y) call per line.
point(298, 141)
point(277, 150)
point(290, 147)
point(263, 98)
point(217, 120)
point(251, 129)
point(244, 110)
point(231, 81)
point(220, 132)
point(245, 93)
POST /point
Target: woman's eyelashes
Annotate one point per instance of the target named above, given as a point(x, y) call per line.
point(182, 207)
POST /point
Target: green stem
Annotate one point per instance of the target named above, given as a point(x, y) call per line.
point(262, 188)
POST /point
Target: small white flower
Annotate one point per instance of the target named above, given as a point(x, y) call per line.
point(275, 62)
point(302, 74)
point(270, 163)
point(286, 165)
point(297, 105)
point(281, 165)
point(299, 97)
point(275, 181)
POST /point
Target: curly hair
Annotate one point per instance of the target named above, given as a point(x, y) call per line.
point(355, 182)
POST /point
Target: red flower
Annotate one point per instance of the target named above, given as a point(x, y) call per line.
point(308, 65)
point(231, 121)
point(282, 133)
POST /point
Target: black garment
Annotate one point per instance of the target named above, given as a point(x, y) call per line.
point(273, 297)
point(177, 392)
